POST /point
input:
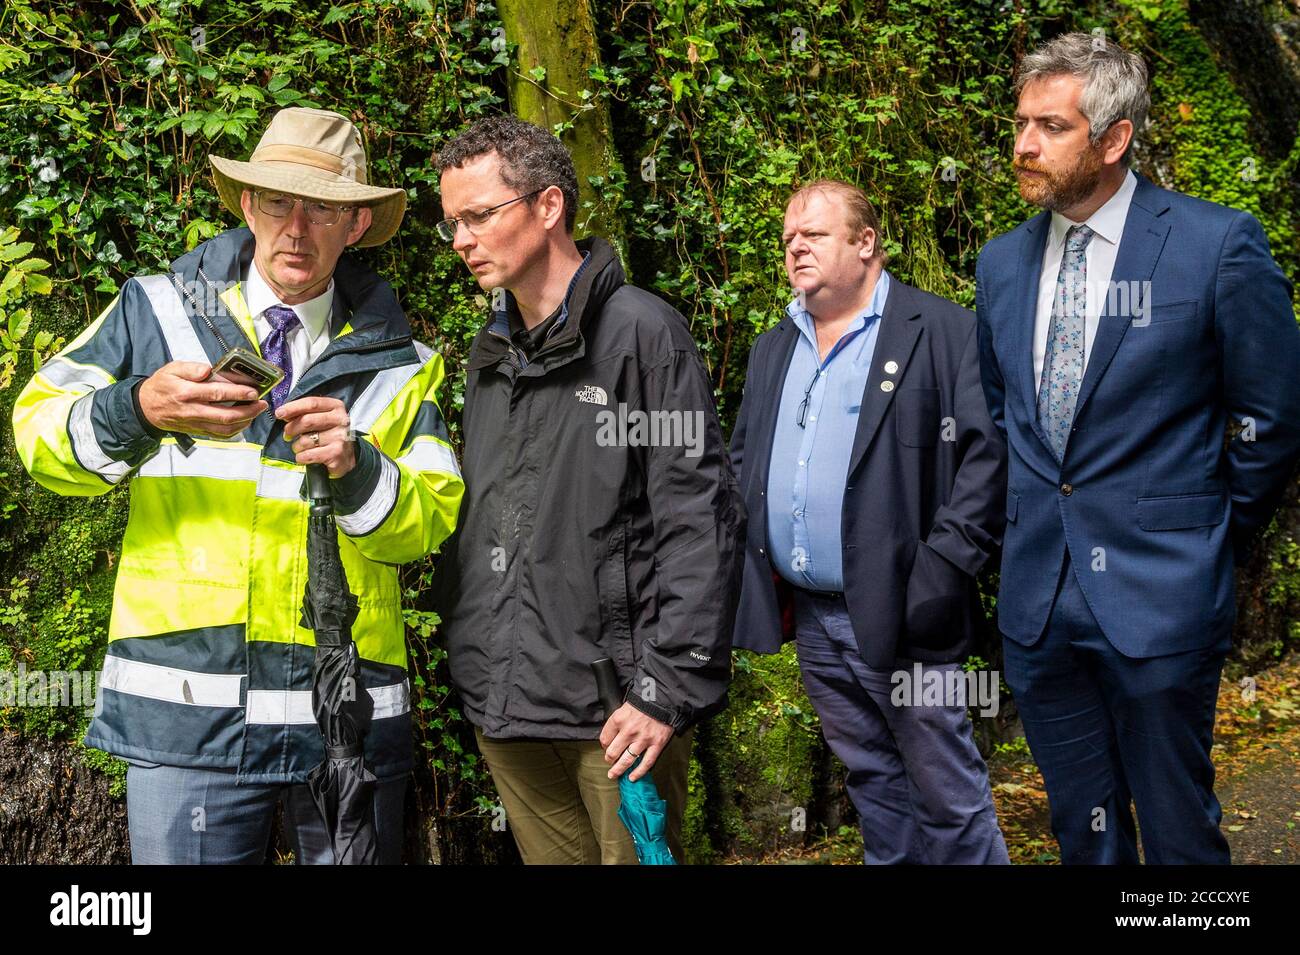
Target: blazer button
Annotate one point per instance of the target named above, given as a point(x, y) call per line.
point(763, 552)
point(1067, 489)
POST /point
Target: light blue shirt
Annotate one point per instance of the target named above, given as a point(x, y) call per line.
point(810, 464)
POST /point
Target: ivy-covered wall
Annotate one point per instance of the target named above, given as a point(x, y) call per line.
point(716, 108)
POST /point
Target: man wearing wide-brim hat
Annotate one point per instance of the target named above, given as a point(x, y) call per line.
point(206, 684)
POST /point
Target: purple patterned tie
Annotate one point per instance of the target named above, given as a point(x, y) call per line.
point(276, 349)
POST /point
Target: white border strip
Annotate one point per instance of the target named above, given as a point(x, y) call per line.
point(430, 454)
point(81, 431)
point(177, 329)
point(293, 707)
point(171, 685)
point(372, 513)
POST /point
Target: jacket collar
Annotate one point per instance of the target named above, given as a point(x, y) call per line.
point(367, 319)
point(596, 280)
point(895, 343)
point(364, 304)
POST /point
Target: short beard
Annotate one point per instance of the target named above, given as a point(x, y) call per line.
point(1061, 191)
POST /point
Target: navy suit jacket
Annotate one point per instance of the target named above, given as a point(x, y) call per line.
point(922, 497)
point(1150, 502)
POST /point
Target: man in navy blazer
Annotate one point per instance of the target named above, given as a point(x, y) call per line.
point(874, 478)
point(1122, 330)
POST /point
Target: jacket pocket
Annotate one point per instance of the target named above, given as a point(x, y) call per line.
point(1164, 314)
point(936, 602)
point(1179, 511)
point(917, 417)
point(1013, 505)
point(617, 628)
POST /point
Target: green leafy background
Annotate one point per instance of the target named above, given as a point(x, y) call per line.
point(111, 109)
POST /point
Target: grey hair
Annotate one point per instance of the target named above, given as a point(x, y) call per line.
point(1115, 80)
point(531, 158)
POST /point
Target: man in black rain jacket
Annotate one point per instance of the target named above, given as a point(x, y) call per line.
point(601, 516)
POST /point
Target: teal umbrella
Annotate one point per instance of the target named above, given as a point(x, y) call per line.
point(642, 809)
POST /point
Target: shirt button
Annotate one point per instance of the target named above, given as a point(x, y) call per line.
point(1067, 489)
point(802, 463)
point(812, 418)
point(761, 551)
point(798, 513)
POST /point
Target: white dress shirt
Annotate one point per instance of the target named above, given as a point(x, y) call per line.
point(1107, 224)
point(308, 340)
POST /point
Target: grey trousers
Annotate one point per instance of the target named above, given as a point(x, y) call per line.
point(919, 783)
point(180, 815)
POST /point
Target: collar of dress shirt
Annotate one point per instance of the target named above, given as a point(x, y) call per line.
point(1107, 222)
point(313, 313)
point(875, 308)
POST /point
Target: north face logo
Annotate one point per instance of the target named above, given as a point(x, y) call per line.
point(592, 395)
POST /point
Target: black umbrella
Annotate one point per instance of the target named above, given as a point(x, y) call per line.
point(342, 786)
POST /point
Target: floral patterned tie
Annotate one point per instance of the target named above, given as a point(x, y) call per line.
point(276, 349)
point(1063, 369)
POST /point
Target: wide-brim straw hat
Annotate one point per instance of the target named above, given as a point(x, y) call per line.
point(317, 154)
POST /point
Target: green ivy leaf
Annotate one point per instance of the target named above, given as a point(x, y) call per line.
point(19, 322)
point(17, 250)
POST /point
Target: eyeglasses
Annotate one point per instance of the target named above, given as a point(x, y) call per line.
point(279, 204)
point(475, 220)
point(807, 397)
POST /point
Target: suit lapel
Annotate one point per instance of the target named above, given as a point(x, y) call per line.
point(899, 331)
point(1028, 275)
point(770, 399)
point(1139, 249)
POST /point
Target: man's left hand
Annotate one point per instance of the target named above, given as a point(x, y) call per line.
point(322, 429)
point(630, 733)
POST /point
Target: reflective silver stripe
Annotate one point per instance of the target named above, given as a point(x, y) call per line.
point(62, 372)
point(372, 513)
point(293, 707)
point(84, 442)
point(168, 308)
point(278, 707)
point(392, 700)
point(280, 483)
point(241, 463)
point(429, 454)
point(167, 683)
point(383, 388)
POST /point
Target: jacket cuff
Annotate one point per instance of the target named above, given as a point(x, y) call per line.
point(156, 434)
point(366, 495)
point(353, 489)
point(120, 427)
point(662, 713)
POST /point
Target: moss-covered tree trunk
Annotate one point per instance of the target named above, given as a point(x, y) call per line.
point(549, 84)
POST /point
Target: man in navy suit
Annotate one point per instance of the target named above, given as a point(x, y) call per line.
point(873, 478)
point(1122, 332)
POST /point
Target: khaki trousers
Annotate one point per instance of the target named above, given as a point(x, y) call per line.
point(562, 808)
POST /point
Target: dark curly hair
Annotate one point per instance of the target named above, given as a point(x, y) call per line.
point(531, 158)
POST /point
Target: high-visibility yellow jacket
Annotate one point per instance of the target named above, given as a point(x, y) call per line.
point(207, 663)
